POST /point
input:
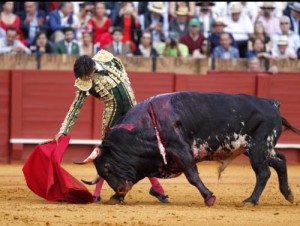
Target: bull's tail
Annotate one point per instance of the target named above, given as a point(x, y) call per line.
point(287, 125)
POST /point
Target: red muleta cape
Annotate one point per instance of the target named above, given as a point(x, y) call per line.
point(45, 176)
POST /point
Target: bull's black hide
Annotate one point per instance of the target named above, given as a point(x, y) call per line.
point(168, 134)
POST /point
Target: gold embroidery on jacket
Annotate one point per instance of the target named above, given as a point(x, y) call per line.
point(103, 85)
point(83, 85)
point(73, 112)
point(103, 56)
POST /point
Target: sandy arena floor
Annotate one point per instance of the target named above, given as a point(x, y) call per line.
point(19, 206)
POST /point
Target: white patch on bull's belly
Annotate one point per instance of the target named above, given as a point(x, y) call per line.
point(237, 142)
point(236, 145)
point(200, 152)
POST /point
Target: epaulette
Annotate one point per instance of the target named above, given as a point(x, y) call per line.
point(83, 85)
point(103, 56)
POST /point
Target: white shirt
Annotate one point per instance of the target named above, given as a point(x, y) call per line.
point(33, 26)
point(293, 38)
point(239, 29)
point(63, 19)
point(295, 25)
point(206, 20)
point(118, 47)
point(144, 51)
point(275, 52)
point(69, 46)
point(5, 48)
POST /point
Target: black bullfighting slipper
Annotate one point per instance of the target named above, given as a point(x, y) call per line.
point(160, 197)
point(97, 198)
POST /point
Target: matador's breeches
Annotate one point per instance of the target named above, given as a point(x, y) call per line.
point(123, 100)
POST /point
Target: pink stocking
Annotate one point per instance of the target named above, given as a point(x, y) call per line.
point(98, 189)
point(156, 185)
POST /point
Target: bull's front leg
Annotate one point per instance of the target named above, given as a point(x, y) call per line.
point(189, 168)
point(192, 175)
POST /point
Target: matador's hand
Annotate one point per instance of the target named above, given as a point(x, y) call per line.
point(57, 136)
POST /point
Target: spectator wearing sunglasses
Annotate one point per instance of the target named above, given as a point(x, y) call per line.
point(268, 19)
point(285, 27)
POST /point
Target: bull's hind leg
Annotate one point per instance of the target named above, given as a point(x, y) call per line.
point(279, 164)
point(262, 172)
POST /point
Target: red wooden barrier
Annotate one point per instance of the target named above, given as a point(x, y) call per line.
point(4, 115)
point(217, 83)
point(147, 84)
point(41, 99)
point(285, 88)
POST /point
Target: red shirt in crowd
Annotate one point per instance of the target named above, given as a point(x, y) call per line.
point(101, 34)
point(15, 24)
point(191, 43)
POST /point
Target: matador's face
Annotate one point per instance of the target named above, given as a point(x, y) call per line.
point(88, 77)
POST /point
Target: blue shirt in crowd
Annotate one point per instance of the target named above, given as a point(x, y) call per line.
point(220, 52)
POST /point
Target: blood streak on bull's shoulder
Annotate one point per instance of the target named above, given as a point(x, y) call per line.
point(161, 147)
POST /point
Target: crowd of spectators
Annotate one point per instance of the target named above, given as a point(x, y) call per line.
point(268, 30)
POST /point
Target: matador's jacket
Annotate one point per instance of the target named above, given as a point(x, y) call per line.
point(109, 84)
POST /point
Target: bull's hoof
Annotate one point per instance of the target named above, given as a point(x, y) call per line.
point(113, 201)
point(248, 202)
point(210, 201)
point(290, 197)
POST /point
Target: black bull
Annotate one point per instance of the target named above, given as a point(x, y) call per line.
point(167, 135)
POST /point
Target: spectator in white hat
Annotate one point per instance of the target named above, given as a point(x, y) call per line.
point(282, 51)
point(285, 27)
point(181, 22)
point(240, 26)
point(218, 29)
point(206, 16)
point(154, 21)
point(268, 19)
point(173, 7)
point(249, 9)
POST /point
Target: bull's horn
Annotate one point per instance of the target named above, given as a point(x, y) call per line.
point(91, 157)
point(94, 181)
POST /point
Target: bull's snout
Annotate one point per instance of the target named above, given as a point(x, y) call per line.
point(121, 192)
point(124, 188)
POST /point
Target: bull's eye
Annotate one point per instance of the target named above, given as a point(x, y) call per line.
point(106, 168)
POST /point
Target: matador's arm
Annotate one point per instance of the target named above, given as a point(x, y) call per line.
point(73, 112)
